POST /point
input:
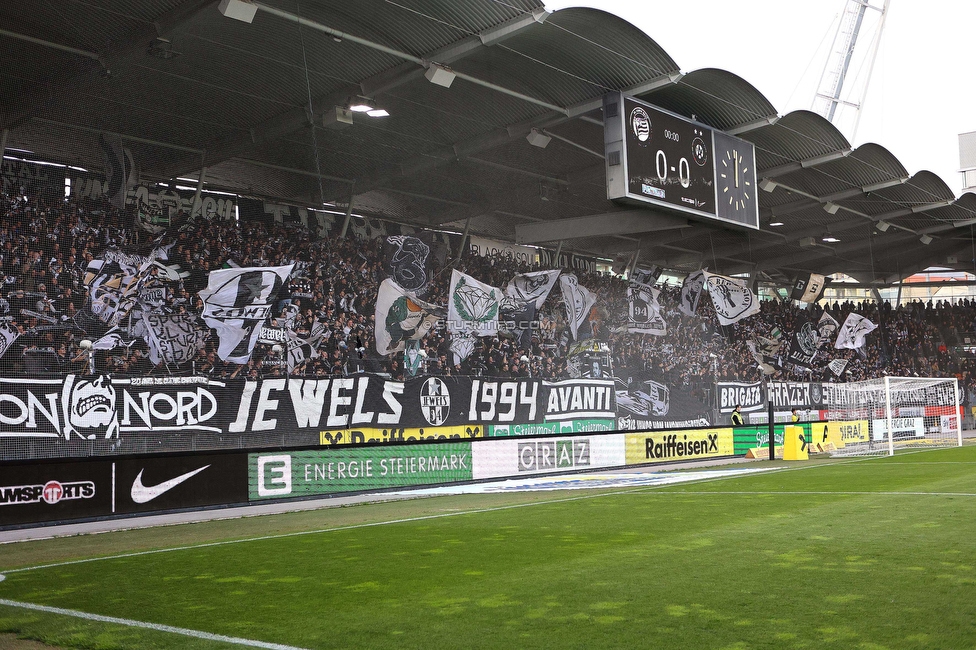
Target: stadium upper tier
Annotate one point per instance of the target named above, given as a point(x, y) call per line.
point(47, 249)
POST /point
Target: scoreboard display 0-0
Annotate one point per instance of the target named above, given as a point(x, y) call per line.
point(657, 158)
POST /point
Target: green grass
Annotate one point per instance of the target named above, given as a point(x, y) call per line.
point(811, 558)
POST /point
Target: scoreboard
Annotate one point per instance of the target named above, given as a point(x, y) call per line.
point(658, 158)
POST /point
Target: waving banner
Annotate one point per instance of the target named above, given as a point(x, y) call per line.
point(691, 290)
point(400, 317)
point(408, 262)
point(644, 311)
point(236, 302)
point(578, 301)
point(733, 300)
point(172, 338)
point(805, 341)
point(472, 306)
point(533, 286)
point(809, 288)
point(851, 334)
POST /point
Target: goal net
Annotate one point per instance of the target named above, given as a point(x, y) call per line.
point(882, 416)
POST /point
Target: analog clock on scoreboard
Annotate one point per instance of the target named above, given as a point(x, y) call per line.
point(658, 158)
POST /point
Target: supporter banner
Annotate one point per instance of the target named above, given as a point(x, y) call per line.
point(326, 471)
point(681, 444)
point(32, 177)
point(549, 428)
point(159, 198)
point(483, 247)
point(393, 435)
point(547, 258)
point(648, 403)
point(500, 458)
point(785, 395)
point(99, 407)
point(38, 492)
point(535, 286)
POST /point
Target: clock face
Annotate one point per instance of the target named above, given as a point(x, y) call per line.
point(734, 183)
point(735, 179)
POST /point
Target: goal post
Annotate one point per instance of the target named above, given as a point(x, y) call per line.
point(878, 417)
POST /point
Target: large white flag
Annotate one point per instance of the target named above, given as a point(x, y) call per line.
point(578, 300)
point(732, 298)
point(532, 286)
point(236, 302)
point(644, 311)
point(401, 317)
point(472, 306)
point(852, 332)
point(690, 293)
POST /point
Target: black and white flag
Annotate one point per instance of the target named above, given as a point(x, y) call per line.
point(644, 311)
point(172, 338)
point(578, 300)
point(236, 302)
point(809, 288)
point(837, 366)
point(647, 276)
point(827, 326)
point(517, 318)
point(8, 334)
point(534, 286)
point(732, 298)
point(120, 170)
point(851, 334)
point(408, 262)
point(691, 290)
point(805, 341)
point(766, 353)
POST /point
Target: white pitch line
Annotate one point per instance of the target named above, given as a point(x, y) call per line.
point(643, 488)
point(207, 636)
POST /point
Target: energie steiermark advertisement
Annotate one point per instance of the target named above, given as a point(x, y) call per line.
point(325, 471)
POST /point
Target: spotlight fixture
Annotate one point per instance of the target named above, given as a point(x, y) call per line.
point(925, 239)
point(882, 226)
point(773, 224)
point(830, 239)
point(366, 105)
point(440, 75)
point(338, 118)
point(831, 208)
point(767, 185)
point(360, 105)
point(238, 10)
point(538, 139)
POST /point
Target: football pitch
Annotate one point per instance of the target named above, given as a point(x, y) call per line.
point(870, 554)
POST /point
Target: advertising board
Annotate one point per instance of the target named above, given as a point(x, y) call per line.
point(326, 471)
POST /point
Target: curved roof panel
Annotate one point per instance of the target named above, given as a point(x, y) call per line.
point(240, 92)
point(715, 97)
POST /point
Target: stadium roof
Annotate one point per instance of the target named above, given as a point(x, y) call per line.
point(255, 105)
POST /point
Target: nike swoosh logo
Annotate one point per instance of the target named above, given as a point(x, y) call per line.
point(143, 494)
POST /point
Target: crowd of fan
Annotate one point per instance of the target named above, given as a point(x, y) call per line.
point(45, 247)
